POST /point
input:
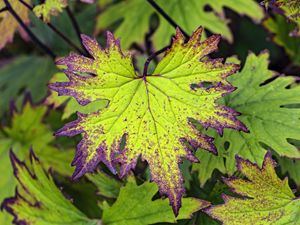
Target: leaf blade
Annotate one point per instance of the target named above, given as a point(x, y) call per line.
point(151, 112)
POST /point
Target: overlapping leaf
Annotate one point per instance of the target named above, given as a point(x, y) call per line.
point(27, 131)
point(151, 112)
point(281, 29)
point(9, 25)
point(39, 201)
point(107, 186)
point(291, 9)
point(290, 167)
point(135, 18)
point(265, 200)
point(266, 110)
point(134, 206)
point(28, 73)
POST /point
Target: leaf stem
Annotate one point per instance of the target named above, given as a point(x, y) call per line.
point(173, 23)
point(146, 65)
point(58, 32)
point(3, 9)
point(26, 4)
point(76, 27)
point(28, 31)
point(166, 16)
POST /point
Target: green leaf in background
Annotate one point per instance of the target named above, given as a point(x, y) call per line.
point(265, 199)
point(208, 163)
point(27, 131)
point(152, 111)
point(41, 202)
point(135, 16)
point(107, 186)
point(189, 15)
point(134, 206)
point(71, 106)
point(25, 73)
point(49, 8)
point(86, 21)
point(281, 29)
point(266, 111)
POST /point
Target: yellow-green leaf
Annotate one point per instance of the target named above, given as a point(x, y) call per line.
point(265, 198)
point(151, 111)
point(49, 8)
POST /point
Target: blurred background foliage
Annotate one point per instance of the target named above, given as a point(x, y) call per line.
point(30, 113)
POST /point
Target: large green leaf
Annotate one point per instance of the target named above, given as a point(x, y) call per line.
point(265, 109)
point(191, 14)
point(265, 199)
point(38, 201)
point(134, 206)
point(135, 15)
point(27, 131)
point(151, 112)
point(29, 73)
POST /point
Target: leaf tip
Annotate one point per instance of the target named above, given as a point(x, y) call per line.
point(111, 41)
